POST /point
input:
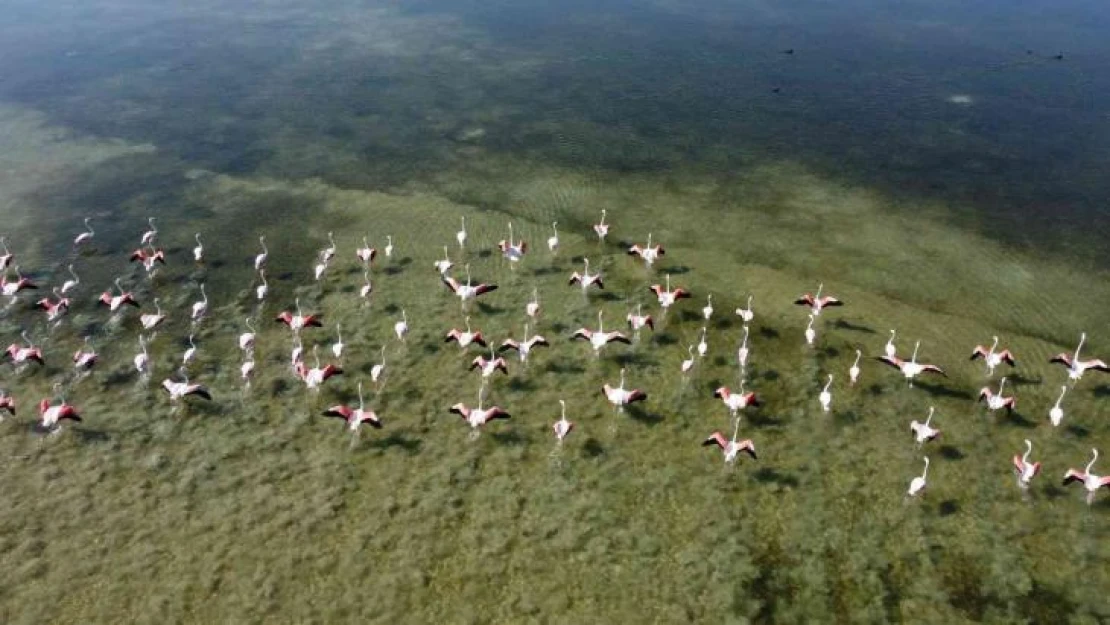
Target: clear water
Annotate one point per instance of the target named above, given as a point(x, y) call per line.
point(933, 164)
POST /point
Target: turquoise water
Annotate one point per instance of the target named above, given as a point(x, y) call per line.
point(935, 166)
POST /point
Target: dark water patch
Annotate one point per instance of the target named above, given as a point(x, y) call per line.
point(844, 324)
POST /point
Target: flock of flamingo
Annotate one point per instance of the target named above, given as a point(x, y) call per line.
point(52, 411)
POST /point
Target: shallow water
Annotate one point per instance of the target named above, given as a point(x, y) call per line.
point(934, 171)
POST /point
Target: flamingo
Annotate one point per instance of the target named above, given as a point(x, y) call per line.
point(180, 390)
point(637, 321)
point(246, 339)
point(525, 346)
point(150, 321)
point(151, 233)
point(585, 279)
point(1077, 367)
point(478, 416)
point(445, 265)
point(246, 370)
point(53, 414)
point(1089, 480)
point(912, 368)
point(299, 321)
point(917, 484)
point(201, 307)
point(996, 401)
point(198, 251)
point(355, 417)
point(337, 346)
point(853, 371)
point(460, 236)
point(190, 353)
point(703, 347)
point(319, 269)
point(389, 246)
point(401, 328)
point(489, 366)
point(602, 228)
point(85, 236)
point(296, 354)
point(816, 302)
point(826, 397)
point(113, 302)
point(54, 308)
point(532, 308)
point(620, 397)
point(7, 257)
point(889, 349)
point(707, 310)
point(468, 291)
point(991, 357)
point(923, 432)
point(465, 338)
point(688, 364)
point(666, 296)
point(1026, 470)
point(260, 259)
point(367, 287)
point(260, 290)
point(68, 285)
point(21, 283)
point(377, 370)
point(553, 240)
point(648, 253)
point(142, 358)
point(20, 355)
point(743, 353)
point(7, 403)
point(746, 314)
point(328, 252)
point(731, 449)
point(514, 252)
point(148, 257)
point(810, 333)
point(1056, 414)
point(736, 401)
point(562, 427)
point(316, 376)
point(85, 358)
point(599, 338)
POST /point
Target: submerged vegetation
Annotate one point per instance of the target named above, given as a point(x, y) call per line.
point(255, 507)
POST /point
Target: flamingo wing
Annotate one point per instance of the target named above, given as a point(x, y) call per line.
point(343, 412)
point(508, 344)
point(805, 300)
point(933, 369)
point(1063, 359)
point(617, 337)
point(681, 293)
point(830, 301)
point(1019, 466)
point(68, 412)
point(715, 438)
point(657, 289)
point(372, 419)
point(748, 447)
point(1074, 476)
point(636, 395)
point(461, 410)
point(450, 283)
point(479, 339)
point(539, 341)
point(893, 361)
point(574, 277)
point(978, 352)
point(199, 391)
point(484, 288)
point(476, 363)
point(582, 333)
point(599, 283)
point(496, 413)
point(1097, 365)
point(1008, 358)
point(313, 321)
point(1104, 481)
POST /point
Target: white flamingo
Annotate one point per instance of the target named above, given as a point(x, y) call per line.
point(445, 265)
point(246, 339)
point(460, 236)
point(918, 483)
point(150, 321)
point(707, 310)
point(189, 353)
point(688, 364)
point(260, 291)
point(401, 328)
point(328, 252)
point(85, 236)
point(151, 234)
point(367, 287)
point(853, 371)
point(142, 358)
point(924, 432)
point(553, 240)
point(198, 251)
point(69, 285)
point(562, 427)
point(201, 307)
point(889, 349)
point(532, 308)
point(388, 246)
point(747, 314)
point(377, 370)
point(703, 347)
point(1090, 481)
point(1026, 470)
point(743, 353)
point(260, 259)
point(1077, 367)
point(826, 397)
point(1056, 414)
point(602, 228)
point(811, 334)
point(337, 347)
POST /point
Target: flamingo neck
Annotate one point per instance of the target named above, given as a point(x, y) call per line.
point(926, 471)
point(1092, 462)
